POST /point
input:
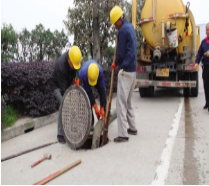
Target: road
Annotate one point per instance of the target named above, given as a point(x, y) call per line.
point(172, 147)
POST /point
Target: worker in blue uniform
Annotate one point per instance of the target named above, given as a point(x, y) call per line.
point(91, 75)
point(203, 56)
point(125, 61)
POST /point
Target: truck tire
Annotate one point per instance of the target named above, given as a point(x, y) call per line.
point(186, 92)
point(142, 92)
point(194, 77)
point(147, 92)
point(150, 91)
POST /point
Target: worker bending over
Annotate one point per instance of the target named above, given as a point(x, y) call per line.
point(91, 75)
point(64, 74)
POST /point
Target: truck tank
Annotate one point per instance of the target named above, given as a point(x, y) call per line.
point(163, 30)
point(170, 44)
point(159, 11)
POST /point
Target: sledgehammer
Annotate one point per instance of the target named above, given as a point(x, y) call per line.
point(46, 156)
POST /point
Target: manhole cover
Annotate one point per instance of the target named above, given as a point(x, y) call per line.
point(76, 116)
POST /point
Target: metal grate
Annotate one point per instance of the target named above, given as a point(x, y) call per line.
point(76, 116)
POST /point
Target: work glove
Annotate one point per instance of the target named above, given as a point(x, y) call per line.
point(207, 54)
point(114, 66)
point(76, 81)
point(102, 113)
point(96, 111)
point(57, 94)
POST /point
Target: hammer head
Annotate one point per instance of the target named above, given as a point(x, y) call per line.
point(48, 156)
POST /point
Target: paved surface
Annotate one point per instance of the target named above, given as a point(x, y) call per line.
point(134, 162)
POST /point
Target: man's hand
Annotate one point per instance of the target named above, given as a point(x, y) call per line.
point(102, 113)
point(196, 66)
point(207, 53)
point(114, 66)
point(96, 111)
point(76, 81)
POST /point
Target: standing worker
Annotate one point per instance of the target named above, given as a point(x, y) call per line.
point(126, 59)
point(65, 72)
point(203, 55)
point(91, 75)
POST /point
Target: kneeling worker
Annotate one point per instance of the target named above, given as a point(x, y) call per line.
point(91, 75)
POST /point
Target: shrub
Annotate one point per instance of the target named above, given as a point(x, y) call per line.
point(26, 87)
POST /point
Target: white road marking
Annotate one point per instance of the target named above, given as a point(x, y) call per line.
point(163, 167)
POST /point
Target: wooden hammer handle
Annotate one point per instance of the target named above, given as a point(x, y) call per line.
point(39, 161)
point(108, 105)
point(56, 174)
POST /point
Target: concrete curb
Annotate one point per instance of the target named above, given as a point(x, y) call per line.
point(27, 124)
point(23, 126)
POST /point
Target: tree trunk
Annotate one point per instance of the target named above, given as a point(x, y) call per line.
point(91, 49)
point(96, 35)
point(41, 52)
point(18, 53)
point(24, 54)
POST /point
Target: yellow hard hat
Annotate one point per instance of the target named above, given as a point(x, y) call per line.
point(75, 57)
point(115, 14)
point(93, 74)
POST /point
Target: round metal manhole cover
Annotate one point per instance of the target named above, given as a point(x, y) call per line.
point(76, 116)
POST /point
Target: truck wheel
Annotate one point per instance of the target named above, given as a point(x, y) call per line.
point(150, 91)
point(194, 77)
point(186, 92)
point(142, 92)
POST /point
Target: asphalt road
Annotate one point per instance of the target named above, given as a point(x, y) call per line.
point(172, 147)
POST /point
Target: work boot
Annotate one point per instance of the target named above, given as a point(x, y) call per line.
point(206, 106)
point(61, 139)
point(121, 139)
point(132, 132)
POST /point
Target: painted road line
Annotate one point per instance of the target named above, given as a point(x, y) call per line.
point(163, 167)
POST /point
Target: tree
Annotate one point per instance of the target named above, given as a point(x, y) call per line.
point(8, 43)
point(25, 43)
point(48, 45)
point(60, 41)
point(39, 44)
point(38, 38)
point(90, 24)
point(108, 57)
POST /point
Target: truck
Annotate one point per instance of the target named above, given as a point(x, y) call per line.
point(170, 43)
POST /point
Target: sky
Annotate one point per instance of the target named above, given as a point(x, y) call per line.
point(51, 13)
point(29, 13)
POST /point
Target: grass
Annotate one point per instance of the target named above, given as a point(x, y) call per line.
point(9, 117)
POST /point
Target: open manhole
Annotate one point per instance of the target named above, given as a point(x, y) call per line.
point(76, 117)
point(88, 144)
